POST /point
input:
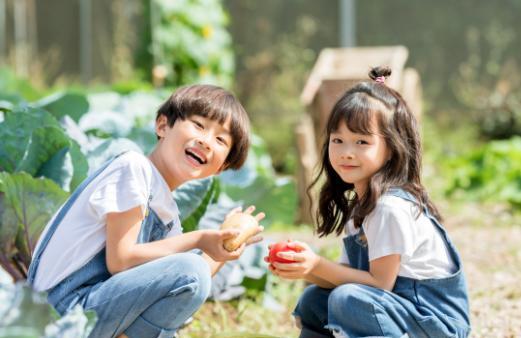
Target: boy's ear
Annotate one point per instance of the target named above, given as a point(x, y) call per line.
point(222, 168)
point(161, 126)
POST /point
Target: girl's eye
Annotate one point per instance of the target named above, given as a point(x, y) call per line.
point(336, 140)
point(361, 142)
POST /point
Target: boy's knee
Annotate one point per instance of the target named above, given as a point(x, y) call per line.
point(194, 267)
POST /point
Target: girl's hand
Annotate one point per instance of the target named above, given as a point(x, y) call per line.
point(305, 261)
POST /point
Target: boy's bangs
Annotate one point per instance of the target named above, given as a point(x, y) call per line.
point(228, 110)
point(220, 113)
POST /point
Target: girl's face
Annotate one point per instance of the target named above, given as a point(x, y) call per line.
point(357, 157)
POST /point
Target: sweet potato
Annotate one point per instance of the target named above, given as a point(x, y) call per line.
point(246, 223)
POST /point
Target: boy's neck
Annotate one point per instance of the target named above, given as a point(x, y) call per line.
point(170, 180)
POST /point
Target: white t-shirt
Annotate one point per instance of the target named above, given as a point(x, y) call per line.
point(392, 228)
point(125, 184)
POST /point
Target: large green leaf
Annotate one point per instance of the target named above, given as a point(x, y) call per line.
point(64, 103)
point(15, 133)
point(35, 143)
point(52, 154)
point(26, 205)
point(193, 199)
point(277, 198)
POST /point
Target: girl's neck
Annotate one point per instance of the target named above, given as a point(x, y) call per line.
point(360, 190)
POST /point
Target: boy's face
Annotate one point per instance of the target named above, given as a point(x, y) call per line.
point(193, 148)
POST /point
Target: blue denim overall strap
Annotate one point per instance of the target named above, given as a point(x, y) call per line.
point(35, 261)
point(73, 289)
point(439, 306)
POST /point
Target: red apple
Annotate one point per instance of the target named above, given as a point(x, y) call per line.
point(280, 247)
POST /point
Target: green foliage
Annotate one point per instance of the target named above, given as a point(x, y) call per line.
point(34, 142)
point(14, 89)
point(190, 42)
point(256, 184)
point(193, 198)
point(492, 172)
point(285, 66)
point(25, 314)
point(488, 82)
point(26, 205)
point(60, 104)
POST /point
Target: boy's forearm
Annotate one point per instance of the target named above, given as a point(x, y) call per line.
point(214, 265)
point(145, 252)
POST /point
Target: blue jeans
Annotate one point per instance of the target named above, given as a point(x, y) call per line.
point(355, 310)
point(149, 300)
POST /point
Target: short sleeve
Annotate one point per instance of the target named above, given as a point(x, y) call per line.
point(344, 259)
point(123, 187)
point(389, 230)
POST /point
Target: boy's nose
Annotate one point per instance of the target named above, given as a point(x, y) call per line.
point(203, 143)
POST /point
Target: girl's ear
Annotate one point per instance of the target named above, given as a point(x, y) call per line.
point(161, 126)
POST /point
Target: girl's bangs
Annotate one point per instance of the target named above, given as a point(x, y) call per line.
point(357, 114)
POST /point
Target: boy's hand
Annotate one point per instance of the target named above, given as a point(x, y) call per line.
point(305, 261)
point(212, 244)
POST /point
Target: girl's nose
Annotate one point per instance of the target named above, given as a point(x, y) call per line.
point(346, 155)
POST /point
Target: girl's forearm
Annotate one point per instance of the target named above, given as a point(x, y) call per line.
point(338, 274)
point(319, 282)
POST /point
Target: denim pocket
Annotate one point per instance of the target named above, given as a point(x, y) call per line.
point(461, 327)
point(434, 328)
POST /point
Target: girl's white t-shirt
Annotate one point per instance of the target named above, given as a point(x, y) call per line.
point(125, 184)
point(394, 227)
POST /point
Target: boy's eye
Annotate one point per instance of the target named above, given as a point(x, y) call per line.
point(221, 140)
point(198, 124)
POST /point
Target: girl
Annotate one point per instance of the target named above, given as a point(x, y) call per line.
point(399, 275)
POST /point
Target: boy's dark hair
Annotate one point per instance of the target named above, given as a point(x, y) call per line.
point(217, 104)
point(338, 201)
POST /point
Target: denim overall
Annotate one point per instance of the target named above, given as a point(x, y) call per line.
point(150, 300)
point(415, 308)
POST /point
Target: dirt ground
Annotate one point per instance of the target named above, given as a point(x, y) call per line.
point(492, 263)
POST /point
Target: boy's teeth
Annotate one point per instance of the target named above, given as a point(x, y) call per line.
point(194, 156)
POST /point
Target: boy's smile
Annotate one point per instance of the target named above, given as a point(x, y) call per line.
point(196, 156)
point(193, 148)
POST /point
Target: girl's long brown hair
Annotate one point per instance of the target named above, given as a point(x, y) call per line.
point(338, 201)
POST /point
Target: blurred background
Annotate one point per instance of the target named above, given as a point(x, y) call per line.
point(90, 74)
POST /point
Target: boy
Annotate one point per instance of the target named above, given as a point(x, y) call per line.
point(116, 246)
